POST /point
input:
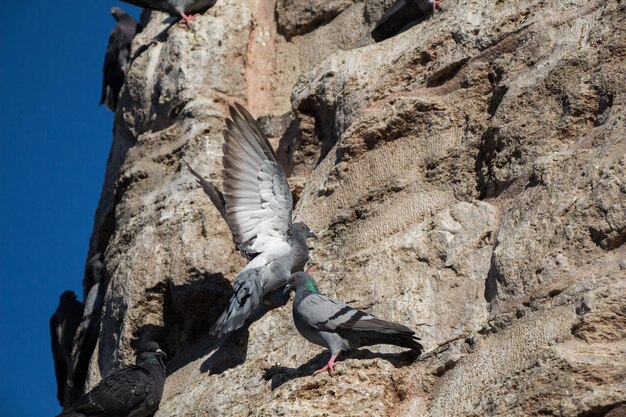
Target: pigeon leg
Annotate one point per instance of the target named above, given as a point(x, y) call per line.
point(329, 366)
point(436, 5)
point(186, 19)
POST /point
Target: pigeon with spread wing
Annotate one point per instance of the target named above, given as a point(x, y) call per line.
point(257, 205)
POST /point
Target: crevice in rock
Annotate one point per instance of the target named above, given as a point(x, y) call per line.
point(488, 185)
point(445, 74)
point(491, 282)
point(496, 98)
point(324, 127)
point(294, 19)
point(192, 307)
point(617, 409)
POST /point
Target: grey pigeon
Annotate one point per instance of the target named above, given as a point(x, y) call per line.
point(257, 206)
point(186, 9)
point(402, 15)
point(89, 329)
point(133, 391)
point(117, 57)
point(63, 325)
point(337, 326)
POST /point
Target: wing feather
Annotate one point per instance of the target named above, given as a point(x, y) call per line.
point(325, 313)
point(256, 192)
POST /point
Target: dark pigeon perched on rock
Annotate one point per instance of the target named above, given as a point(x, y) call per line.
point(63, 325)
point(402, 15)
point(133, 391)
point(337, 326)
point(89, 329)
point(186, 9)
point(257, 205)
point(117, 57)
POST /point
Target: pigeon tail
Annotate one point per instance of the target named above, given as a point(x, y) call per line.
point(376, 332)
point(399, 339)
point(247, 295)
point(70, 413)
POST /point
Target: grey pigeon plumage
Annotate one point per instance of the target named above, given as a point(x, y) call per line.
point(63, 325)
point(401, 16)
point(186, 9)
point(133, 391)
point(89, 329)
point(117, 57)
point(257, 206)
point(339, 327)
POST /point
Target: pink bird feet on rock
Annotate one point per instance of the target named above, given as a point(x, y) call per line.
point(436, 5)
point(330, 366)
point(186, 19)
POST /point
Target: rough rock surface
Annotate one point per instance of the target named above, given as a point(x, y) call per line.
point(468, 174)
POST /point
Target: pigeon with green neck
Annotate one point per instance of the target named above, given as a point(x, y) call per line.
point(132, 391)
point(339, 327)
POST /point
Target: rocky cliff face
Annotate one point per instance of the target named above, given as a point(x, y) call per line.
point(468, 174)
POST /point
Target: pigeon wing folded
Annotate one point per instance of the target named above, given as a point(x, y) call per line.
point(117, 394)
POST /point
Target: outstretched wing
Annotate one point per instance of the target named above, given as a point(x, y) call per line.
point(217, 198)
point(256, 193)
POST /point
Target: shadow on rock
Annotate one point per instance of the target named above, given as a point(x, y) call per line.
point(278, 375)
point(229, 352)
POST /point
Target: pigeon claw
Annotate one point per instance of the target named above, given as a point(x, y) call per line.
point(186, 19)
point(330, 367)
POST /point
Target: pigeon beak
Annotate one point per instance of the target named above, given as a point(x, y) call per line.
point(161, 353)
point(287, 292)
point(313, 235)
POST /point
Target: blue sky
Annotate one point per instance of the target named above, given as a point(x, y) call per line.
point(54, 143)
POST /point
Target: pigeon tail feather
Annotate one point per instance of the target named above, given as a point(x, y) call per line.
point(70, 413)
point(247, 295)
point(376, 331)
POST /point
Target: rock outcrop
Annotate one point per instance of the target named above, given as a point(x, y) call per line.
point(468, 174)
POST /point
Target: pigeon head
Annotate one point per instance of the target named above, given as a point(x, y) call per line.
point(301, 281)
point(67, 297)
point(94, 269)
point(301, 230)
point(151, 353)
point(117, 12)
point(121, 16)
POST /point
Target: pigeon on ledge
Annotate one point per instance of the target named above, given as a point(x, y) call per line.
point(63, 325)
point(133, 391)
point(186, 9)
point(337, 326)
point(402, 15)
point(257, 205)
point(89, 329)
point(117, 57)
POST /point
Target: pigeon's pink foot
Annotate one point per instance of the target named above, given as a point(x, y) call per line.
point(186, 19)
point(311, 268)
point(330, 366)
point(436, 5)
